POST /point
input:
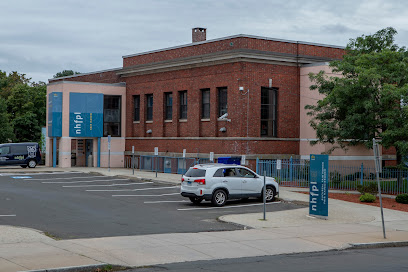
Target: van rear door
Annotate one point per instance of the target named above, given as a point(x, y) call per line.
point(5, 155)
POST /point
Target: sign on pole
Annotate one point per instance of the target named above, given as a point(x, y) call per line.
point(184, 153)
point(109, 142)
point(156, 151)
point(278, 164)
point(211, 156)
point(318, 186)
point(243, 159)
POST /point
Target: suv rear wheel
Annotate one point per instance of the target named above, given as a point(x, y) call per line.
point(219, 198)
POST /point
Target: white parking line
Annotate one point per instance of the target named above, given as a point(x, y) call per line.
point(75, 177)
point(7, 215)
point(227, 207)
point(105, 185)
point(60, 182)
point(32, 174)
point(147, 195)
point(132, 190)
point(165, 201)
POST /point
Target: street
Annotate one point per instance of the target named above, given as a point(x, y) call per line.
point(367, 260)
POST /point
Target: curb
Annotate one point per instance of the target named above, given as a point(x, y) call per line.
point(83, 268)
point(378, 245)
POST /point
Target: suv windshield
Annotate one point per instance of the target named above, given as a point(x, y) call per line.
point(194, 172)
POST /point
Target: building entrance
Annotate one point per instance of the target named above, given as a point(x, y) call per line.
point(82, 152)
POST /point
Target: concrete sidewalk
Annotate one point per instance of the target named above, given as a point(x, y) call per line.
point(283, 232)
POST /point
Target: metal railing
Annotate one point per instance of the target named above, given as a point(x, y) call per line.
point(162, 164)
point(295, 173)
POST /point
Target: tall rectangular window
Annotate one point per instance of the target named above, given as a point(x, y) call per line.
point(183, 104)
point(205, 103)
point(111, 115)
point(149, 107)
point(222, 101)
point(169, 106)
point(136, 106)
point(268, 112)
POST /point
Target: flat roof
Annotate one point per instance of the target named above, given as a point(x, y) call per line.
point(85, 74)
point(233, 37)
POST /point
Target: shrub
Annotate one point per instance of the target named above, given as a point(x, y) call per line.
point(335, 177)
point(367, 198)
point(403, 198)
point(371, 188)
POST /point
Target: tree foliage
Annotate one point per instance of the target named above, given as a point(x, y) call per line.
point(22, 108)
point(65, 73)
point(368, 99)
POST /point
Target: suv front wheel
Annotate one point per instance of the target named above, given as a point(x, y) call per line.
point(269, 194)
point(219, 198)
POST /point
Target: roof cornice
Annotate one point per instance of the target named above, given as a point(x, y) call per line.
point(232, 37)
point(222, 57)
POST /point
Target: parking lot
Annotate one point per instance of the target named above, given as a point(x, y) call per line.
point(69, 205)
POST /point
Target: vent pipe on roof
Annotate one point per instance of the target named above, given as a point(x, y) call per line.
point(199, 34)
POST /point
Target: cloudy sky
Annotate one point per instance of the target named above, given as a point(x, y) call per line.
point(42, 37)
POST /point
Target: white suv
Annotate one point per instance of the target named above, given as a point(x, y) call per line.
point(220, 182)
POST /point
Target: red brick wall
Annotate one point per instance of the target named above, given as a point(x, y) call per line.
point(237, 43)
point(104, 77)
point(248, 75)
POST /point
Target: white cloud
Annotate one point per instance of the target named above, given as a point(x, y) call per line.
point(41, 38)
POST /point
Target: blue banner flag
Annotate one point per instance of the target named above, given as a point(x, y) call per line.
point(319, 185)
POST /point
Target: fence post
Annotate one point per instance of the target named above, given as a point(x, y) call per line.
point(361, 174)
point(257, 162)
point(291, 169)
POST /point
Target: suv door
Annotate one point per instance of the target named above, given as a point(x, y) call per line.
point(251, 184)
point(231, 180)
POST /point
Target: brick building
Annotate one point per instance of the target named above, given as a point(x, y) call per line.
point(173, 98)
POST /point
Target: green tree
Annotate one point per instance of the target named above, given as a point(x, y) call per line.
point(65, 73)
point(6, 131)
point(369, 97)
point(26, 109)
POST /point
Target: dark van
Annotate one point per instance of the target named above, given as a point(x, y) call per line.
point(23, 154)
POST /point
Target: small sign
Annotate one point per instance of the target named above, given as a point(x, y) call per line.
point(278, 164)
point(184, 153)
point(378, 165)
point(243, 159)
point(21, 177)
point(211, 156)
point(156, 151)
point(319, 186)
point(109, 142)
point(133, 150)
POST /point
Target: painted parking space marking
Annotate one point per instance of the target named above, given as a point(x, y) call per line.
point(145, 195)
point(74, 177)
point(165, 201)
point(7, 215)
point(21, 177)
point(36, 174)
point(132, 190)
point(81, 181)
point(106, 185)
point(227, 207)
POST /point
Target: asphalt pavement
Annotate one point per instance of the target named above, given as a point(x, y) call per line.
point(68, 205)
point(349, 225)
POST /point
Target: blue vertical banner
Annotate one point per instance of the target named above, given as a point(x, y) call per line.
point(85, 115)
point(319, 185)
point(55, 114)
